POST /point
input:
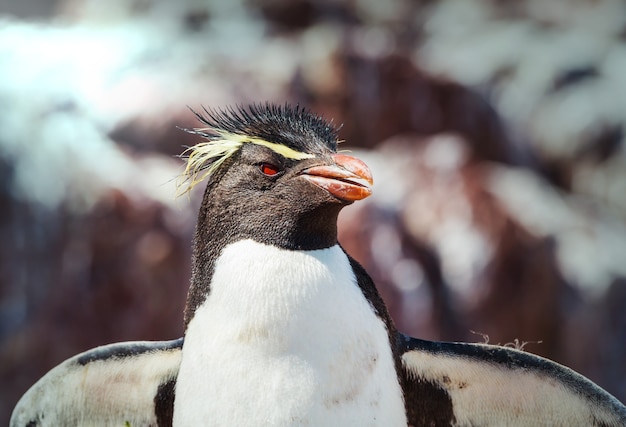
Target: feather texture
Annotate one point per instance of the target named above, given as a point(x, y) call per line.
point(292, 132)
point(115, 385)
point(461, 384)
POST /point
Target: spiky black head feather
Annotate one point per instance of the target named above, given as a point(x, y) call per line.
point(294, 132)
point(292, 126)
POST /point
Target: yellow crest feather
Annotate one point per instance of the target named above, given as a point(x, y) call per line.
point(206, 157)
point(203, 159)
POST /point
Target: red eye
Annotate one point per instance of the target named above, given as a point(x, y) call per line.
point(269, 169)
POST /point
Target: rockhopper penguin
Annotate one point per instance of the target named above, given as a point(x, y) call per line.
point(283, 328)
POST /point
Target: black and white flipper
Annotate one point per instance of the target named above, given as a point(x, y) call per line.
point(460, 384)
point(124, 384)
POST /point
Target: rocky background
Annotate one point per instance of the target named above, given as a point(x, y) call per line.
point(494, 129)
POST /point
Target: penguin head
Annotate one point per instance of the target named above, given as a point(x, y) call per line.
point(274, 175)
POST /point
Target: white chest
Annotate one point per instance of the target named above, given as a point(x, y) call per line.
point(286, 338)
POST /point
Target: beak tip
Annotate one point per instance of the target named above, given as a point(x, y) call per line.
point(349, 179)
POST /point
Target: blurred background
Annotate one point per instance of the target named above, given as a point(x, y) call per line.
point(494, 129)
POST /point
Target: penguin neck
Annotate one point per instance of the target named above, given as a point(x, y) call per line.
point(221, 223)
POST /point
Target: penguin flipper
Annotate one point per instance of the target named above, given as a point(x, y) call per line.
point(487, 385)
point(124, 384)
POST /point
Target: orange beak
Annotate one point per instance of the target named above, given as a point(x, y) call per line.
point(349, 179)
